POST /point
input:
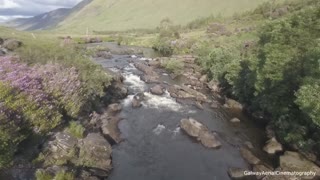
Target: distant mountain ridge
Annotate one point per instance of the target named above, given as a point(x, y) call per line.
point(118, 15)
point(47, 20)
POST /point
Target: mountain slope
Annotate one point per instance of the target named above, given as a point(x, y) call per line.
point(101, 15)
point(47, 20)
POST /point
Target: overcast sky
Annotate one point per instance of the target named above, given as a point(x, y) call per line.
point(25, 8)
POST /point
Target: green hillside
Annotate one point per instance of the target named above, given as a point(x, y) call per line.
point(101, 15)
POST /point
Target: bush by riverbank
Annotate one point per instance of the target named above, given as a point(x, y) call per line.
point(277, 76)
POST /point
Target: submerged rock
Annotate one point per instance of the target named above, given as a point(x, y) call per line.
point(197, 130)
point(249, 156)
point(293, 161)
point(236, 173)
point(273, 146)
point(157, 90)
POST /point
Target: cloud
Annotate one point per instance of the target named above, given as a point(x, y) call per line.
point(22, 8)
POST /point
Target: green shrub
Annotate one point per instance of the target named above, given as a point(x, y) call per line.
point(173, 65)
point(76, 129)
point(42, 175)
point(62, 175)
point(163, 47)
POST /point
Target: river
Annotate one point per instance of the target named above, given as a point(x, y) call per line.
point(154, 146)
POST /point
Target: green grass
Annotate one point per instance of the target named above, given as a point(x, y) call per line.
point(101, 15)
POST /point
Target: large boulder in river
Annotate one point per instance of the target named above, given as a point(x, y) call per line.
point(12, 44)
point(273, 146)
point(197, 130)
point(293, 161)
point(110, 129)
point(145, 69)
point(157, 90)
point(95, 154)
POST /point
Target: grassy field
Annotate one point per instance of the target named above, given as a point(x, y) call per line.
point(101, 15)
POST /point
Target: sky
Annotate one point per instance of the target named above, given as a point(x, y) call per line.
point(10, 9)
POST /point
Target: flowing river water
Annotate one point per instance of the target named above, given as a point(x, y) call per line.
point(154, 146)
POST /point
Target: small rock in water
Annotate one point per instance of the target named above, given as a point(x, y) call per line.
point(249, 145)
point(235, 120)
point(137, 99)
point(199, 105)
point(114, 108)
point(273, 146)
point(214, 105)
point(157, 90)
point(133, 56)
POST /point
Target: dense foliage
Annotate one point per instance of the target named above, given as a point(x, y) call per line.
point(278, 77)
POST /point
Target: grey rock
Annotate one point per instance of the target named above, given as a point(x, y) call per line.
point(197, 130)
point(95, 154)
point(236, 173)
point(273, 146)
point(114, 108)
point(157, 90)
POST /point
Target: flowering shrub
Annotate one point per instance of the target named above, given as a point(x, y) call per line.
point(35, 99)
point(38, 107)
point(64, 85)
